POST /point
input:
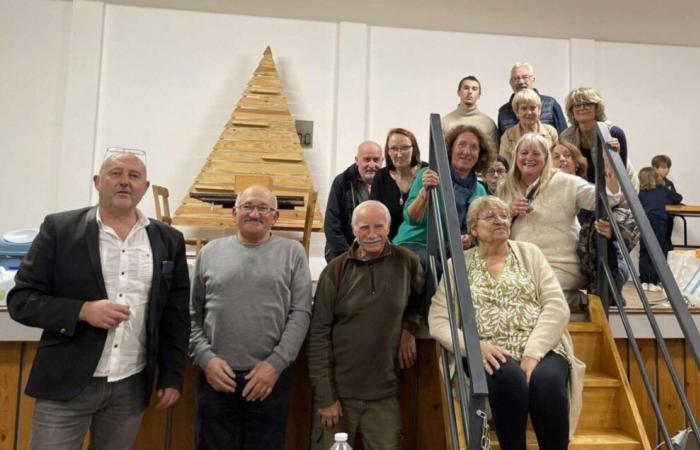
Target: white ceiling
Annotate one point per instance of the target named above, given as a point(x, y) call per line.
point(672, 22)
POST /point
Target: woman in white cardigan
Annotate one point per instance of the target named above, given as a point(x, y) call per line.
point(544, 203)
point(521, 316)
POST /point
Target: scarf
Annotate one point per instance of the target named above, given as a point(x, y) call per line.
point(464, 190)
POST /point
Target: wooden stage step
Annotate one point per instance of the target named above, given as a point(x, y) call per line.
point(586, 439)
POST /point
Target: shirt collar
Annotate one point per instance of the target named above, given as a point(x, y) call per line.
point(141, 221)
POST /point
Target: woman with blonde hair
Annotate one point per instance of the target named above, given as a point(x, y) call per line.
point(521, 317)
point(527, 107)
point(568, 158)
point(585, 108)
point(544, 204)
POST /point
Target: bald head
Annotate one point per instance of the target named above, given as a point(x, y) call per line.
point(259, 192)
point(131, 159)
point(369, 159)
point(121, 184)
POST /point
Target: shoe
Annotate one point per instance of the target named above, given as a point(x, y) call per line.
point(654, 288)
point(645, 286)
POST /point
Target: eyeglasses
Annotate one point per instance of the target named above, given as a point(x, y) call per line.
point(521, 77)
point(115, 151)
point(400, 148)
point(249, 208)
point(496, 172)
point(584, 105)
point(492, 217)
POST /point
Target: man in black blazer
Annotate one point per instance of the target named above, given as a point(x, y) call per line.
point(110, 289)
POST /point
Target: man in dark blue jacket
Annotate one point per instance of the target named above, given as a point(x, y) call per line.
point(348, 190)
point(522, 76)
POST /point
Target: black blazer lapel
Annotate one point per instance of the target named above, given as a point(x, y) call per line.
point(159, 253)
point(92, 235)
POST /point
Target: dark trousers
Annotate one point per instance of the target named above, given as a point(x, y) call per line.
point(229, 421)
point(545, 399)
point(647, 271)
point(430, 286)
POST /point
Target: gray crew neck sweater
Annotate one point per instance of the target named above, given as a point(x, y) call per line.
point(250, 302)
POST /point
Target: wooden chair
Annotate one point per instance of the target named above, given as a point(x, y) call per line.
point(309, 220)
point(161, 197)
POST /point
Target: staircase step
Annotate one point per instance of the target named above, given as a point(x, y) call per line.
point(587, 439)
point(584, 327)
point(600, 380)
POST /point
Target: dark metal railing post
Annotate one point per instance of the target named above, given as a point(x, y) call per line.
point(673, 292)
point(442, 204)
point(601, 241)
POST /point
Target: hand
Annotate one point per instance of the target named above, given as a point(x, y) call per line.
point(528, 365)
point(261, 381)
point(614, 144)
point(493, 357)
point(430, 179)
point(519, 206)
point(407, 350)
point(467, 240)
point(220, 375)
point(603, 228)
point(330, 415)
point(167, 397)
point(105, 313)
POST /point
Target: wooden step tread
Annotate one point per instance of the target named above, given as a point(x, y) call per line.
point(584, 327)
point(590, 439)
point(600, 379)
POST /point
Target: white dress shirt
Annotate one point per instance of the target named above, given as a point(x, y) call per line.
point(127, 269)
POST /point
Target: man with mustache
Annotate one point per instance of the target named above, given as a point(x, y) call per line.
point(522, 76)
point(467, 113)
point(250, 309)
point(348, 190)
point(364, 300)
point(109, 287)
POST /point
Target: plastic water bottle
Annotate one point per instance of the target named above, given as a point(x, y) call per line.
point(341, 442)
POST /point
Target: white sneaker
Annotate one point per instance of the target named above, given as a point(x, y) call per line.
point(645, 287)
point(654, 288)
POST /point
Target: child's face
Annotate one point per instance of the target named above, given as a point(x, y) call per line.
point(663, 171)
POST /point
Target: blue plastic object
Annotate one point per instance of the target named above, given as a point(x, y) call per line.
point(14, 245)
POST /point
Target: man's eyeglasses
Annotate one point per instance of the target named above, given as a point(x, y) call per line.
point(496, 172)
point(521, 77)
point(115, 151)
point(248, 208)
point(492, 217)
point(400, 148)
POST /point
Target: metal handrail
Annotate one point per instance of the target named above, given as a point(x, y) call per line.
point(607, 285)
point(442, 198)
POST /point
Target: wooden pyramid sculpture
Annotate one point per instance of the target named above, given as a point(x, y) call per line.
point(259, 145)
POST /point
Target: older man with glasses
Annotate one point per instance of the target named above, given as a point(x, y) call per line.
point(250, 308)
point(522, 76)
point(109, 287)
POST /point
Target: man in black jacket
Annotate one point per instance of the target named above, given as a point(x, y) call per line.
point(110, 289)
point(522, 77)
point(348, 190)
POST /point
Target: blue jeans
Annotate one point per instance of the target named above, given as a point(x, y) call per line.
point(229, 421)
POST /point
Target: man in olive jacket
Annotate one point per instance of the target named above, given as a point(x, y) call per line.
point(364, 316)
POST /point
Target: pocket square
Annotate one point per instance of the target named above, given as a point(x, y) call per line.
point(166, 268)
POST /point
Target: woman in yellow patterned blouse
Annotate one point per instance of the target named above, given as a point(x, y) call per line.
point(521, 317)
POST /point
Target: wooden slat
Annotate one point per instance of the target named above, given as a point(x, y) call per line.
point(647, 349)
point(26, 404)
point(668, 398)
point(154, 430)
point(10, 363)
point(301, 413)
point(692, 383)
point(183, 413)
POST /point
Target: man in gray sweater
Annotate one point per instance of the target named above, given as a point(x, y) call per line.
point(250, 310)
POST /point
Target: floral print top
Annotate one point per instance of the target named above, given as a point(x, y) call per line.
point(507, 308)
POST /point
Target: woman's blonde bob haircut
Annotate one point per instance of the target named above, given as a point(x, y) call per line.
point(525, 97)
point(585, 95)
point(482, 204)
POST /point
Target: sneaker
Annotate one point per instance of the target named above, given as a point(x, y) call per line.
point(645, 287)
point(654, 288)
